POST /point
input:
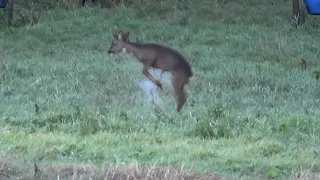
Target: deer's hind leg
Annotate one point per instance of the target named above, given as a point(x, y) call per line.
point(178, 83)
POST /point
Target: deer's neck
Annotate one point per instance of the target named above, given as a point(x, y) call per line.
point(133, 48)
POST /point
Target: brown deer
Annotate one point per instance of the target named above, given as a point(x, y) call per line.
point(159, 57)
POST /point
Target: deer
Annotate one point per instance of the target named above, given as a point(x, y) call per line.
point(156, 56)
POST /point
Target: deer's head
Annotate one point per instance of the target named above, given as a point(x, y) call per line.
point(118, 42)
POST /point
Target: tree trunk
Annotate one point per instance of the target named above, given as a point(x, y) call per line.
point(10, 12)
point(297, 13)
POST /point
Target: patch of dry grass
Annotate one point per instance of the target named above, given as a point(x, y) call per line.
point(307, 176)
point(12, 169)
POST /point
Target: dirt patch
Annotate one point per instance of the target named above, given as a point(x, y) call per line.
point(15, 169)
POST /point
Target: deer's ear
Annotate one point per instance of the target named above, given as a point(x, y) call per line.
point(125, 36)
point(115, 36)
point(119, 35)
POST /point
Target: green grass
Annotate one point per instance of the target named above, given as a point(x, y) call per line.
point(252, 110)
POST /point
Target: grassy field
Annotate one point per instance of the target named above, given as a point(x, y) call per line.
point(253, 109)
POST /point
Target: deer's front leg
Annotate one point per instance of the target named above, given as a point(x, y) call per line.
point(149, 76)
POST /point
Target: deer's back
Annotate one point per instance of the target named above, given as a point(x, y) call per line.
point(167, 59)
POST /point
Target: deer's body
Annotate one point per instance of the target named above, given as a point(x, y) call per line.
point(159, 57)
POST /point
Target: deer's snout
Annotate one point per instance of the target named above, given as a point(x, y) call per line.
point(109, 51)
